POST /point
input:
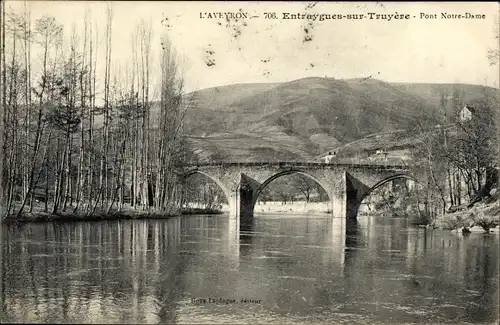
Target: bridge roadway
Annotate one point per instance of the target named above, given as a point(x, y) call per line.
point(346, 182)
point(365, 164)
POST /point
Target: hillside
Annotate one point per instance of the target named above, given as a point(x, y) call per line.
point(469, 94)
point(302, 119)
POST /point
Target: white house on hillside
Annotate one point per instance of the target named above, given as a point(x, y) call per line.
point(381, 153)
point(328, 158)
point(466, 113)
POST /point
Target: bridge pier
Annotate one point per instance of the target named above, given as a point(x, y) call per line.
point(247, 196)
point(241, 204)
point(355, 191)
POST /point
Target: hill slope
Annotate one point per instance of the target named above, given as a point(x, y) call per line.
point(301, 119)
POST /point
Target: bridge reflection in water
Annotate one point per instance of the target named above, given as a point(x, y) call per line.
point(302, 268)
point(241, 234)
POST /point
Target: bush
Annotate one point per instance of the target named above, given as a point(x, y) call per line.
point(451, 221)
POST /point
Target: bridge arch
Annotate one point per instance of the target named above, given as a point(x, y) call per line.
point(285, 173)
point(387, 180)
point(221, 185)
point(377, 185)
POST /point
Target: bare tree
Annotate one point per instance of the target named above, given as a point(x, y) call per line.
point(304, 184)
point(2, 108)
point(103, 194)
point(172, 113)
point(83, 107)
point(48, 32)
point(52, 132)
point(494, 54)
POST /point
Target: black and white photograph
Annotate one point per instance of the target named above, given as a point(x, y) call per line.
point(249, 162)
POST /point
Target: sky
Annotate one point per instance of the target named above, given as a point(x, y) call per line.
point(260, 49)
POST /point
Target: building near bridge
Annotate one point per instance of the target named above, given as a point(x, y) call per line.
point(329, 157)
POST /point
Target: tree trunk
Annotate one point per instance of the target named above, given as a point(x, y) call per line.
point(59, 163)
point(46, 203)
point(3, 114)
point(81, 154)
point(69, 140)
point(450, 186)
point(459, 188)
point(26, 26)
point(91, 108)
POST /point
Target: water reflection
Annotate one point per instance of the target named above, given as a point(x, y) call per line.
point(287, 269)
point(72, 272)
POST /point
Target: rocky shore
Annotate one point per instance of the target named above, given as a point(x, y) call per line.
point(482, 218)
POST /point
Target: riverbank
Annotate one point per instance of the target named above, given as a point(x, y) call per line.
point(40, 217)
point(292, 207)
point(483, 217)
point(126, 213)
point(190, 211)
point(129, 213)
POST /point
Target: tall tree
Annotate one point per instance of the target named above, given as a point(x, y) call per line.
point(53, 136)
point(2, 108)
point(48, 32)
point(103, 178)
point(494, 53)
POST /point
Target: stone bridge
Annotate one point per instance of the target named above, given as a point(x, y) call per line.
point(346, 184)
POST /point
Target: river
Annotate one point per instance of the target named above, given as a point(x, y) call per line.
point(278, 269)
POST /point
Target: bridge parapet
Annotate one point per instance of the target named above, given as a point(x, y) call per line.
point(284, 164)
